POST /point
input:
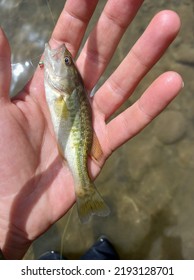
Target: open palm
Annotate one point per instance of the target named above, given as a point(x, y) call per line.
point(36, 187)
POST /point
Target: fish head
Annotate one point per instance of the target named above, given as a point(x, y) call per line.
point(60, 69)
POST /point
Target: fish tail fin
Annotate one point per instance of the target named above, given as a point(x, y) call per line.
point(91, 204)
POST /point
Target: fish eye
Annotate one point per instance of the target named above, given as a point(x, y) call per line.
point(67, 60)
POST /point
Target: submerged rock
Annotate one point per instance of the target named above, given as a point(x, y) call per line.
point(170, 127)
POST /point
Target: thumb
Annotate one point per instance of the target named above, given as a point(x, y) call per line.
point(5, 65)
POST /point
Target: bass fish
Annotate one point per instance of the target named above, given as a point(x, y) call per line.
point(72, 122)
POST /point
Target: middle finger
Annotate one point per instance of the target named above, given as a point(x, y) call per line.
point(104, 38)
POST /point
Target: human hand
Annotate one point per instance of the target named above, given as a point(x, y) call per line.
point(36, 189)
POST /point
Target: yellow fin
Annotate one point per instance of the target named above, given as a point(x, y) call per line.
point(96, 150)
point(60, 151)
point(91, 204)
point(61, 108)
point(61, 154)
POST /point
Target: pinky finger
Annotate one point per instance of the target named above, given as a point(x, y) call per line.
point(160, 93)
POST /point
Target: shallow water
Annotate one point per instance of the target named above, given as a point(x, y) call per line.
point(149, 182)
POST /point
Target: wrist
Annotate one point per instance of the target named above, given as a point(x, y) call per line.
point(13, 245)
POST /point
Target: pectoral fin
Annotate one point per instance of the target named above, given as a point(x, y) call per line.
point(62, 154)
point(61, 108)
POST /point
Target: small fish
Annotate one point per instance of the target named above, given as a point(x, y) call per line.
point(72, 121)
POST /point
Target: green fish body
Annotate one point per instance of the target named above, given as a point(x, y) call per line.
point(72, 121)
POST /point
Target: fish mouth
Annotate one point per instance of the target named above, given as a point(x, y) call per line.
point(56, 53)
point(53, 59)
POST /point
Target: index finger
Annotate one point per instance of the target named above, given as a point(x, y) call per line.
point(72, 24)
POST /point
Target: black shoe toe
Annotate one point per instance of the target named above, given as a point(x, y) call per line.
point(51, 255)
point(101, 250)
